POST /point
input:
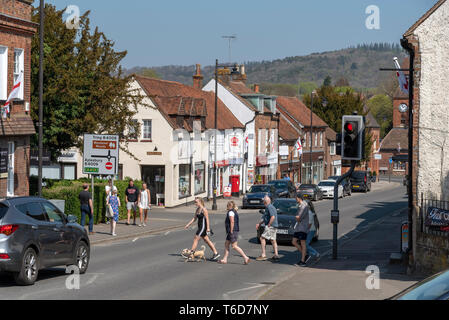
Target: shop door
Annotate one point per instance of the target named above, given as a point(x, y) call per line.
point(154, 176)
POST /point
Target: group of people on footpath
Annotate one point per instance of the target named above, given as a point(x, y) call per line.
point(135, 199)
point(304, 231)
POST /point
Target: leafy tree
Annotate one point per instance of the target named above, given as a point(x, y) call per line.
point(327, 81)
point(381, 107)
point(307, 87)
point(342, 82)
point(84, 88)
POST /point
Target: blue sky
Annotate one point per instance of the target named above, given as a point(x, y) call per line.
point(185, 32)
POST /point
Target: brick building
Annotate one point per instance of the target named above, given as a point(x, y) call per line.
point(427, 41)
point(16, 32)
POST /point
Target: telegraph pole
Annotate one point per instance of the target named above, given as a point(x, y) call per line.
point(41, 94)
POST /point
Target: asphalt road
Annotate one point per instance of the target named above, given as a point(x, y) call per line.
point(152, 268)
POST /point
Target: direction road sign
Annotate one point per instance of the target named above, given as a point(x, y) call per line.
point(100, 154)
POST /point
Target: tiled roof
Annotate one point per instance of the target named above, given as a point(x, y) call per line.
point(237, 88)
point(395, 138)
point(300, 112)
point(331, 135)
point(176, 98)
point(288, 130)
point(17, 125)
point(410, 31)
point(371, 121)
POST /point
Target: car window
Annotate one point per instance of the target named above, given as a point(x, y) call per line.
point(33, 210)
point(53, 213)
point(3, 209)
point(286, 207)
point(326, 184)
point(429, 289)
point(278, 184)
point(259, 189)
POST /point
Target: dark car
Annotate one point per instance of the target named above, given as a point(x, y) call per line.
point(360, 181)
point(287, 210)
point(345, 183)
point(284, 188)
point(435, 287)
point(254, 197)
point(310, 191)
point(35, 234)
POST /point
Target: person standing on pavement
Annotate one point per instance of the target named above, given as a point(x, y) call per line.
point(108, 190)
point(270, 220)
point(232, 233)
point(114, 202)
point(87, 208)
point(132, 199)
point(313, 221)
point(301, 230)
point(202, 215)
point(144, 204)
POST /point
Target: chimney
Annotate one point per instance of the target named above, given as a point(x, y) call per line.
point(256, 88)
point(198, 78)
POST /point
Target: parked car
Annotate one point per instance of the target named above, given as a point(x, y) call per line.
point(310, 191)
point(284, 188)
point(287, 210)
point(360, 181)
point(328, 187)
point(435, 287)
point(35, 234)
point(254, 197)
point(345, 183)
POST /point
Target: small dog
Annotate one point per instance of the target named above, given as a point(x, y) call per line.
point(195, 255)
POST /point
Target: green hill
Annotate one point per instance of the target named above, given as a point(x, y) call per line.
point(358, 65)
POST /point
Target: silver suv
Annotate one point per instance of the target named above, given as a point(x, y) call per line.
point(35, 234)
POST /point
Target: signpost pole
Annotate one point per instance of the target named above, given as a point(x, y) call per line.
point(92, 191)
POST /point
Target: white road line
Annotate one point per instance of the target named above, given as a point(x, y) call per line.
point(226, 295)
point(135, 239)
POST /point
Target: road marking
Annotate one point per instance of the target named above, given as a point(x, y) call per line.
point(226, 295)
point(135, 239)
point(167, 233)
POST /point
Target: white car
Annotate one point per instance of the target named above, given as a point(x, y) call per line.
point(327, 186)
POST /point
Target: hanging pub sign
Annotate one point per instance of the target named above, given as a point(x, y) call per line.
point(437, 217)
point(3, 161)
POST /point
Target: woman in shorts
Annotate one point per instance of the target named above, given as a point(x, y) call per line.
point(232, 233)
point(202, 215)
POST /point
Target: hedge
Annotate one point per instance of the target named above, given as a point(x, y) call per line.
point(69, 191)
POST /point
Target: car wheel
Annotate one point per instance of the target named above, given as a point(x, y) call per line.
point(29, 268)
point(82, 257)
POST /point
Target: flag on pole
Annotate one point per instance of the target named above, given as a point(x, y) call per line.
point(403, 82)
point(15, 92)
point(298, 146)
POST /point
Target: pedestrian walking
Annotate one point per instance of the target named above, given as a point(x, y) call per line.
point(314, 225)
point(301, 229)
point(202, 215)
point(144, 204)
point(87, 208)
point(108, 190)
point(132, 199)
point(114, 202)
point(232, 233)
point(270, 221)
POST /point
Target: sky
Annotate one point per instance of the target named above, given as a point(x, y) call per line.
point(185, 32)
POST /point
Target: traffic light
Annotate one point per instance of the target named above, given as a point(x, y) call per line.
point(338, 145)
point(353, 132)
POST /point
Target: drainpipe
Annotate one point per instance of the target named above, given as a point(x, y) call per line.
point(409, 48)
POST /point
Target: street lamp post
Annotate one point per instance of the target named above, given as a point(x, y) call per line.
point(234, 71)
point(41, 93)
point(311, 136)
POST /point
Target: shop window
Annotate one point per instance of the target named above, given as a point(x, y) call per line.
point(200, 178)
point(184, 180)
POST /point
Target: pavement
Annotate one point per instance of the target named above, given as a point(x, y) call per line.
point(347, 277)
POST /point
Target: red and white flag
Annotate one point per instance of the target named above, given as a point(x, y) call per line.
point(403, 82)
point(298, 146)
point(15, 93)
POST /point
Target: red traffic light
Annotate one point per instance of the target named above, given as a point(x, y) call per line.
point(349, 127)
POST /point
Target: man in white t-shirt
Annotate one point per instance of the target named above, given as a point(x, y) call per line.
point(311, 233)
